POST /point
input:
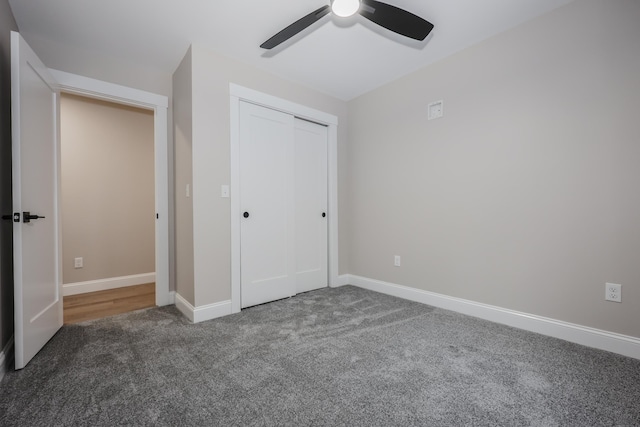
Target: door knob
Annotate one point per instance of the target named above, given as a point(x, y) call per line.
point(27, 217)
point(323, 214)
point(246, 214)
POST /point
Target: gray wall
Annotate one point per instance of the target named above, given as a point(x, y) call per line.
point(7, 24)
point(212, 74)
point(525, 195)
point(108, 194)
point(209, 164)
point(183, 124)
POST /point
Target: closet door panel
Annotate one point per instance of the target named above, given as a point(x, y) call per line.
point(267, 205)
point(310, 156)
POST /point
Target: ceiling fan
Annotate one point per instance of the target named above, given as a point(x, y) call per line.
point(390, 17)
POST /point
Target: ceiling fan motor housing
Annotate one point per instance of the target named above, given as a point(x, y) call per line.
point(345, 8)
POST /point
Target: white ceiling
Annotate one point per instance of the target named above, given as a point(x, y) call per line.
point(343, 58)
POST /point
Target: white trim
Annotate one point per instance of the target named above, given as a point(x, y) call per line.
point(172, 298)
point(87, 86)
point(235, 204)
point(342, 281)
point(184, 307)
point(332, 196)
point(6, 356)
point(584, 335)
point(93, 88)
point(106, 284)
point(275, 103)
point(17, 199)
point(238, 93)
point(203, 313)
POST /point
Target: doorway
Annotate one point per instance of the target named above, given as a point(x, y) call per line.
point(107, 206)
point(101, 90)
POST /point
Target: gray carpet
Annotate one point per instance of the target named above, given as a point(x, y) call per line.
point(332, 357)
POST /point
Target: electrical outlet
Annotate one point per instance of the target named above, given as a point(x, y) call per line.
point(613, 292)
point(78, 263)
point(396, 261)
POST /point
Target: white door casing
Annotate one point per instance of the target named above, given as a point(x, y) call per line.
point(310, 195)
point(35, 162)
point(266, 200)
point(80, 85)
point(238, 94)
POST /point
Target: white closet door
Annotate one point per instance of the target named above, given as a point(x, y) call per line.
point(311, 205)
point(267, 205)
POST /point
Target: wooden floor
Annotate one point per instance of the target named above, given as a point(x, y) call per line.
point(95, 305)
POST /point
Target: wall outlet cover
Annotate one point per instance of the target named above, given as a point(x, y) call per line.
point(613, 292)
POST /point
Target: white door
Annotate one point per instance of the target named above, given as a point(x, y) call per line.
point(310, 146)
point(283, 202)
point(267, 259)
point(37, 274)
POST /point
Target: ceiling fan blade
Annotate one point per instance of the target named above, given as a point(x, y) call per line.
point(296, 27)
point(395, 19)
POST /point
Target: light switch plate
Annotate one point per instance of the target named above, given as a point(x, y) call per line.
point(436, 110)
point(224, 191)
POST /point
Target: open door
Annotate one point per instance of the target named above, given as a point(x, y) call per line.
point(36, 234)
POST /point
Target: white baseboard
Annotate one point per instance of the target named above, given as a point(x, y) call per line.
point(591, 337)
point(6, 356)
point(202, 313)
point(105, 284)
point(172, 298)
point(342, 281)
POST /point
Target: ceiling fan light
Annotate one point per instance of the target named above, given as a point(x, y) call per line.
point(345, 8)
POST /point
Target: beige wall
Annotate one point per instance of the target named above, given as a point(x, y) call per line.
point(7, 24)
point(525, 195)
point(183, 123)
point(211, 75)
point(108, 195)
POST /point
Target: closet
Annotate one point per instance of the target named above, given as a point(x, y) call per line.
point(283, 204)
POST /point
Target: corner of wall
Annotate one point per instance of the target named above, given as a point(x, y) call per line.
point(183, 177)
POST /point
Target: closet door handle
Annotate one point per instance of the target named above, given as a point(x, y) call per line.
point(246, 214)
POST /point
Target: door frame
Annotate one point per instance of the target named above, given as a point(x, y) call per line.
point(239, 93)
point(97, 89)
